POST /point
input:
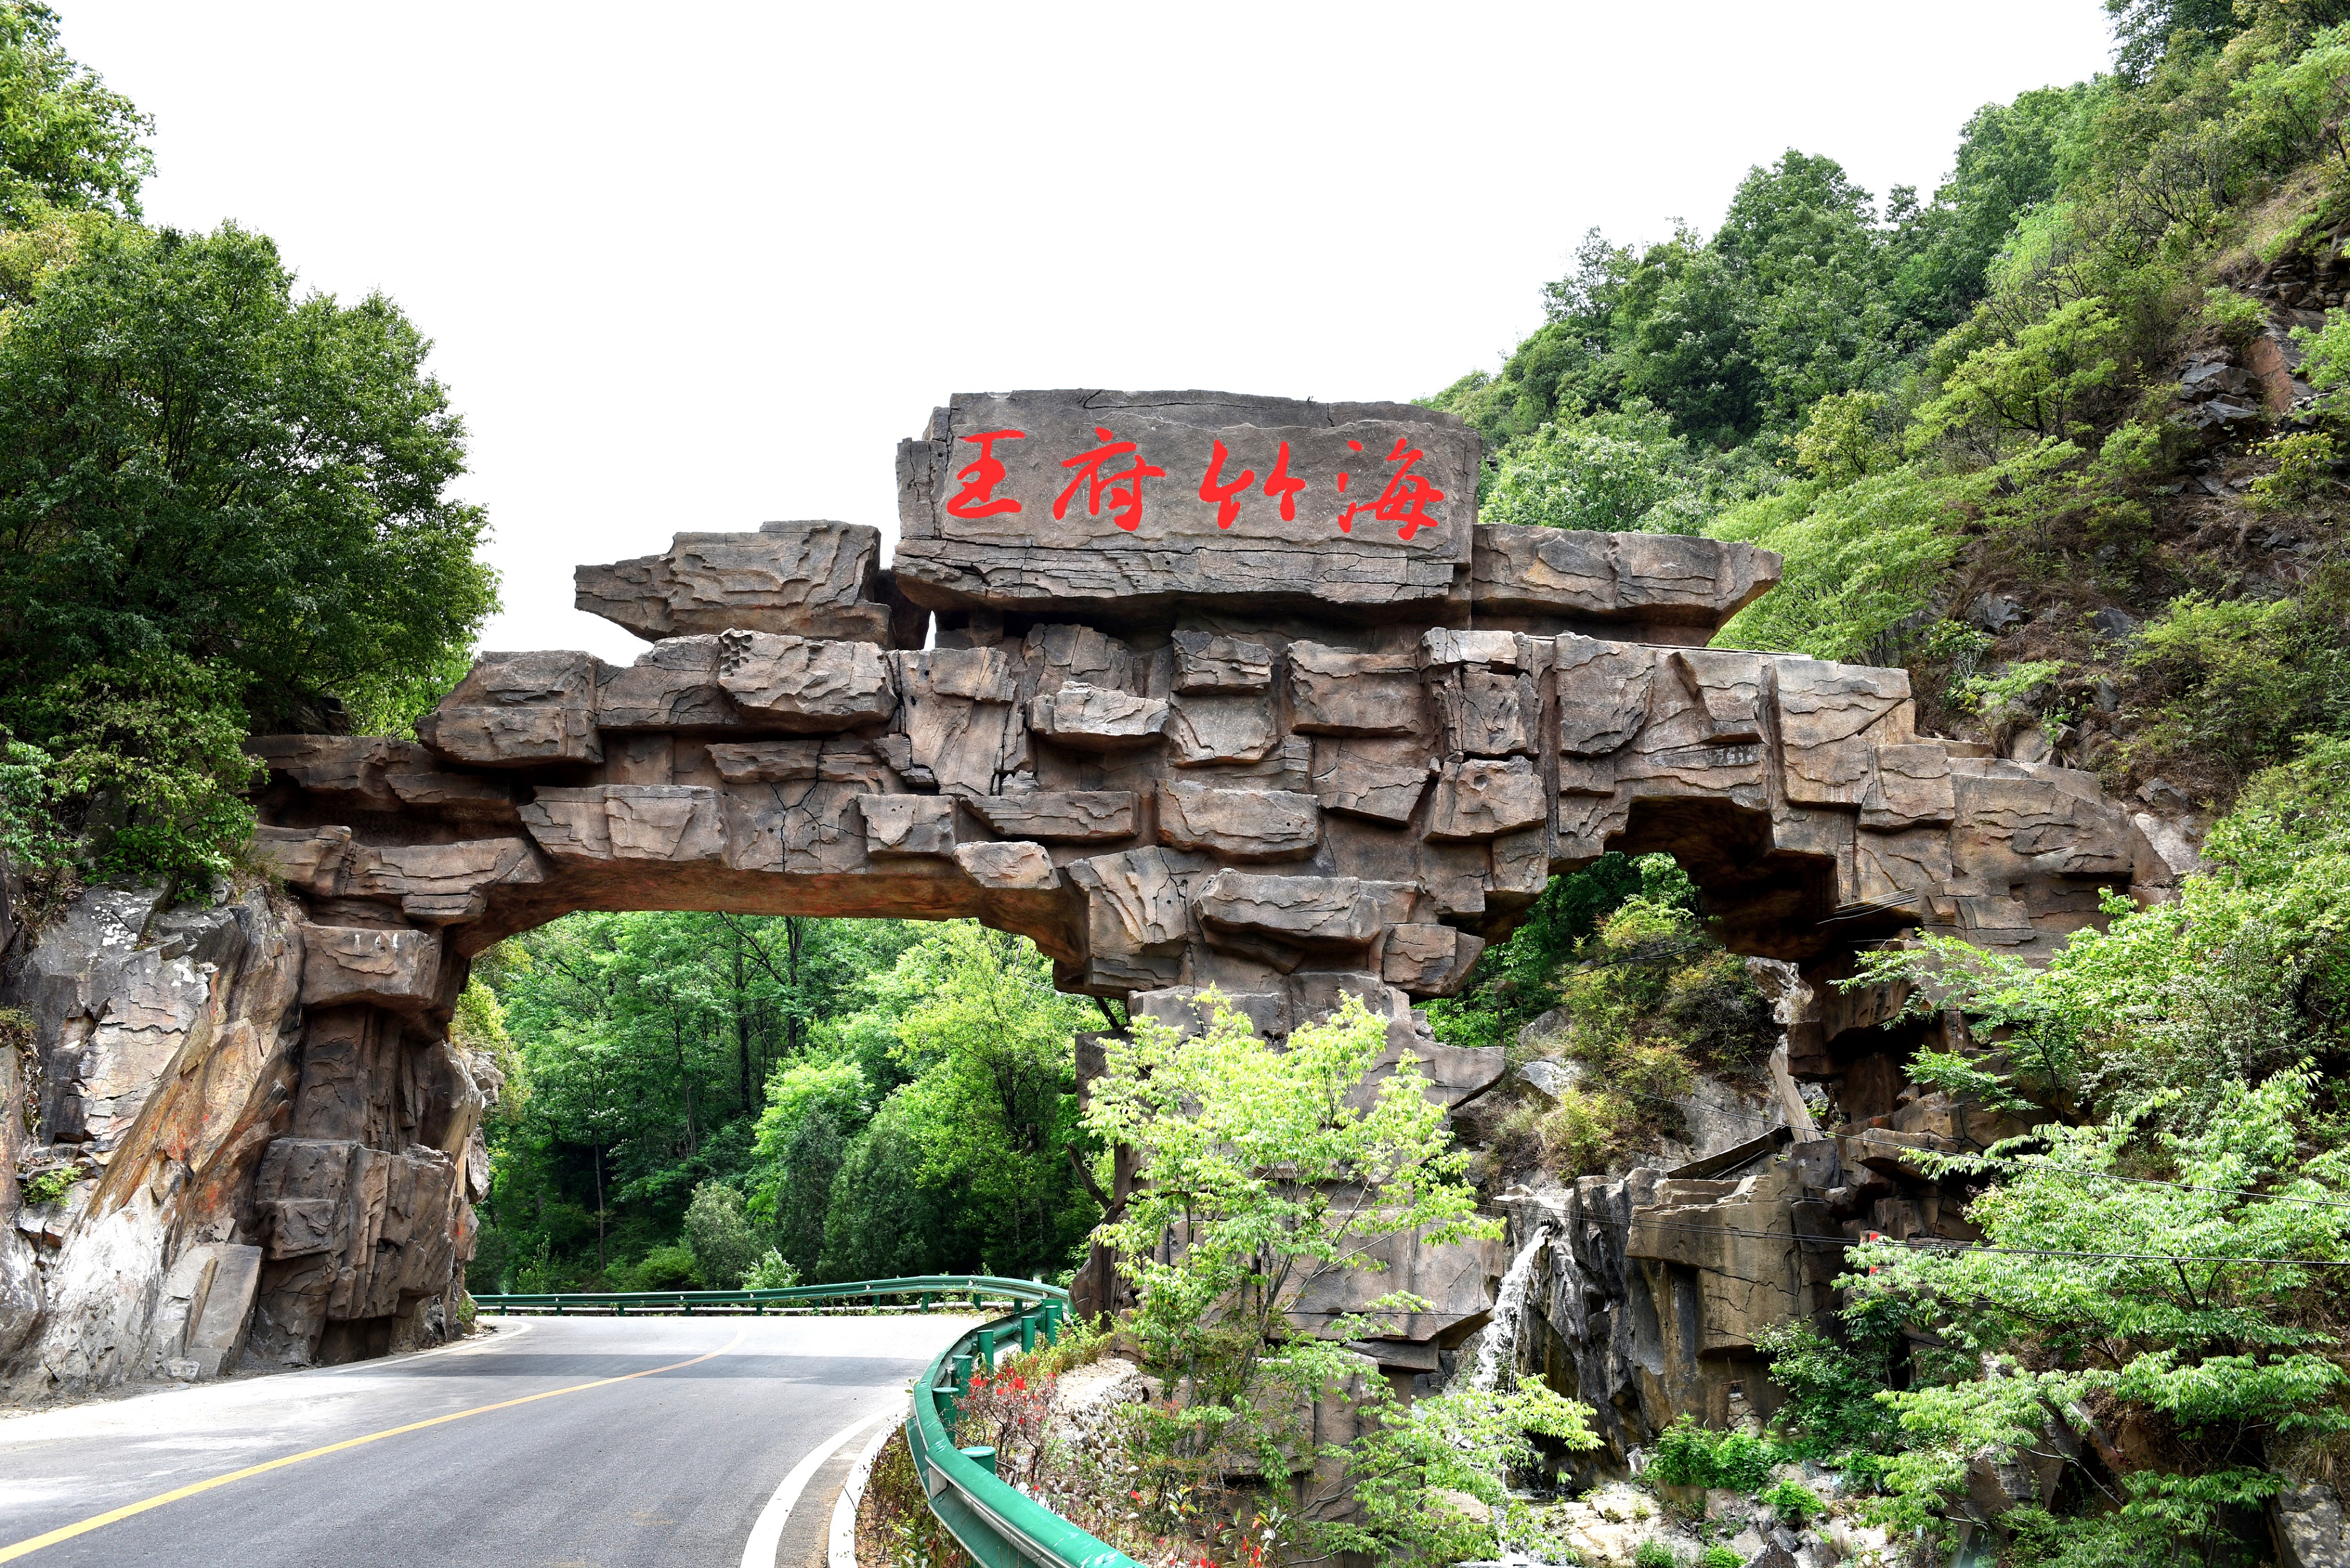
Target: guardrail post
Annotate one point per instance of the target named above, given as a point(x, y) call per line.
point(982, 1456)
point(986, 1353)
point(1052, 1322)
point(962, 1372)
point(1027, 1332)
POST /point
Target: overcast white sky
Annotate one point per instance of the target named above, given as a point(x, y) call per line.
point(694, 266)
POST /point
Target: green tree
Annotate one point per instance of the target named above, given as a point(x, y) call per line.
point(1275, 1171)
point(992, 1044)
point(195, 461)
point(66, 138)
point(718, 1228)
point(1604, 470)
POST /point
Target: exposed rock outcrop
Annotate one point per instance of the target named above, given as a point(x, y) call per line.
point(169, 1049)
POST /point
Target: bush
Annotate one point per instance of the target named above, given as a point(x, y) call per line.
point(1720, 1557)
point(718, 1231)
point(1608, 472)
point(2304, 471)
point(771, 1273)
point(1794, 1504)
point(2236, 678)
point(1655, 1553)
point(48, 1187)
point(1688, 1455)
point(147, 761)
point(670, 1268)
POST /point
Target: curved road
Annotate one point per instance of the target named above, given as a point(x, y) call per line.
point(670, 1464)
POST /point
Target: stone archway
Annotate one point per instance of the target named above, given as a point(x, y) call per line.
point(1265, 708)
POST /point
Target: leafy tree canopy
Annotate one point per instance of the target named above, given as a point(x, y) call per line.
point(66, 139)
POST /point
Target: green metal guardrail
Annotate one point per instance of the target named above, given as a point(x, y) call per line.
point(998, 1525)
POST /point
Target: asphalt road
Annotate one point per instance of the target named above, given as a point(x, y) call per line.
point(668, 1468)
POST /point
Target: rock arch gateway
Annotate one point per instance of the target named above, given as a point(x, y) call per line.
point(1191, 689)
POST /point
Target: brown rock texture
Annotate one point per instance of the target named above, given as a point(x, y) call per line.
point(1288, 738)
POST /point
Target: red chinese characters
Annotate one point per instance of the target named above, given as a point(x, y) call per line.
point(1221, 494)
point(981, 476)
point(1405, 500)
point(1123, 488)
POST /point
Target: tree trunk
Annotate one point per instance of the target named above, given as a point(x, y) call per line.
point(596, 1153)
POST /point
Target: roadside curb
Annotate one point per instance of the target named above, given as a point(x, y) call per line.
point(843, 1551)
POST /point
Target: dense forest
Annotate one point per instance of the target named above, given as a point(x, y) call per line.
point(2066, 439)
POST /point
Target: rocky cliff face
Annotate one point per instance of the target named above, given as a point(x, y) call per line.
point(160, 1080)
point(1645, 1293)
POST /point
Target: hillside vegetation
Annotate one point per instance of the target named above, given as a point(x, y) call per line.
point(2068, 441)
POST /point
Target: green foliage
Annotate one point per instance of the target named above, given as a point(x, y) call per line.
point(1686, 1454)
point(1795, 1503)
point(66, 138)
point(1845, 438)
point(2304, 472)
point(2246, 974)
point(719, 1231)
point(2234, 316)
point(49, 1186)
point(147, 760)
point(1719, 1556)
point(1512, 981)
point(1832, 1412)
point(1648, 999)
point(2043, 380)
point(642, 1048)
point(2238, 678)
point(1466, 1442)
point(2184, 1302)
point(666, 1268)
point(1249, 1147)
point(2326, 351)
point(195, 462)
point(1654, 1553)
point(1603, 470)
point(1861, 560)
point(771, 1273)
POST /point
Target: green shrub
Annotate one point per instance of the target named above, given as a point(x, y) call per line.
point(1655, 1553)
point(667, 1268)
point(1688, 1455)
point(771, 1273)
point(719, 1233)
point(1832, 1407)
point(1794, 1504)
point(148, 763)
point(2303, 471)
point(2233, 315)
point(1605, 471)
point(2236, 678)
point(1720, 1557)
point(1844, 438)
point(1859, 561)
point(48, 1187)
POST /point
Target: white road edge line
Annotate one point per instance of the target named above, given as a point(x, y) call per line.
point(767, 1534)
point(842, 1550)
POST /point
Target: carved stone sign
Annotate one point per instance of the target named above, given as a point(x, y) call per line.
point(1125, 503)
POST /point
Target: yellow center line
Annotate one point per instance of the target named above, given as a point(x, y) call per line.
point(99, 1520)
